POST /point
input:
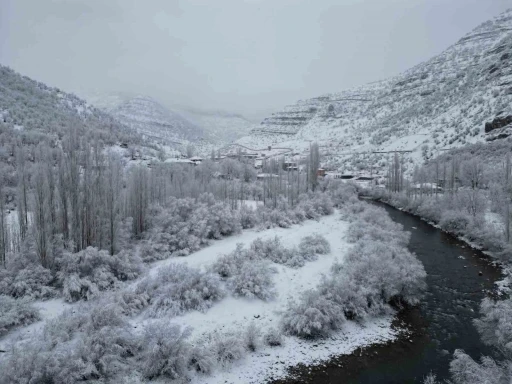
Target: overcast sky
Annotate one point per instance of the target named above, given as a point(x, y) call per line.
point(248, 56)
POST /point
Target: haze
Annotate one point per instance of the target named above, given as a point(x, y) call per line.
point(251, 56)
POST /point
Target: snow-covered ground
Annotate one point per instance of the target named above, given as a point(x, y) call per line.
point(48, 310)
point(236, 314)
point(232, 314)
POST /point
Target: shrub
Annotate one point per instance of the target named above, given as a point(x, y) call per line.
point(254, 279)
point(155, 249)
point(464, 370)
point(89, 271)
point(252, 338)
point(74, 288)
point(313, 316)
point(33, 280)
point(273, 250)
point(360, 230)
point(248, 217)
point(273, 338)
point(165, 351)
point(227, 348)
point(387, 271)
point(229, 265)
point(495, 326)
point(132, 303)
point(14, 312)
point(178, 288)
point(91, 342)
point(313, 245)
point(202, 359)
point(455, 222)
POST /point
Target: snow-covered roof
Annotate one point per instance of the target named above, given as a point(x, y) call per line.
point(175, 160)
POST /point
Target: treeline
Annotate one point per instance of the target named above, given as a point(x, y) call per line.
point(85, 221)
point(467, 192)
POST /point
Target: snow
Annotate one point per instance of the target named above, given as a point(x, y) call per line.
point(441, 103)
point(272, 362)
point(48, 310)
point(235, 314)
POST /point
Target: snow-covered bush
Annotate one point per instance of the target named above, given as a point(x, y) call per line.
point(32, 281)
point(89, 271)
point(464, 370)
point(455, 221)
point(227, 348)
point(253, 337)
point(178, 288)
point(248, 217)
point(202, 359)
point(388, 272)
point(75, 288)
point(313, 316)
point(185, 225)
point(254, 280)
point(495, 326)
point(91, 342)
point(391, 232)
point(222, 221)
point(273, 337)
point(229, 265)
point(14, 312)
point(165, 351)
point(273, 250)
point(132, 303)
point(340, 193)
point(313, 245)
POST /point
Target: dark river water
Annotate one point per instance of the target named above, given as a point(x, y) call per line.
point(458, 278)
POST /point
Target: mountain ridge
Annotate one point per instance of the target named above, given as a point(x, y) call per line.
point(440, 103)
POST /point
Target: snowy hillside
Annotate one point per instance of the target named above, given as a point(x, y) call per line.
point(223, 127)
point(152, 119)
point(205, 129)
point(445, 102)
point(32, 109)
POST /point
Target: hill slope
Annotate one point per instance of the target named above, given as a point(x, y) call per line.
point(222, 127)
point(203, 128)
point(152, 119)
point(32, 110)
point(441, 103)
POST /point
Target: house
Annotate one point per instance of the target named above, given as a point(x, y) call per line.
point(263, 176)
point(178, 161)
point(320, 172)
point(365, 181)
point(290, 165)
point(196, 160)
point(258, 163)
point(333, 175)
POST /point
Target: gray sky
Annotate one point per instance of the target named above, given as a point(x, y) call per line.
point(248, 56)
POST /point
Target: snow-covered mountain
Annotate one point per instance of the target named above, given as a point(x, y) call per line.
point(150, 118)
point(39, 112)
point(222, 127)
point(462, 95)
point(205, 129)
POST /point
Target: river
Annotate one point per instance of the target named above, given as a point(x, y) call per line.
point(458, 278)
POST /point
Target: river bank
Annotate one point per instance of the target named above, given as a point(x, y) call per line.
point(458, 278)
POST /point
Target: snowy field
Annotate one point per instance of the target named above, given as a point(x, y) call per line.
point(233, 314)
